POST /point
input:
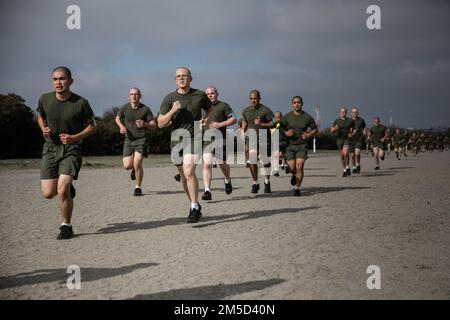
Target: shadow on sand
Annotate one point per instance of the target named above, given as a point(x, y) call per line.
point(215, 292)
point(51, 275)
point(133, 226)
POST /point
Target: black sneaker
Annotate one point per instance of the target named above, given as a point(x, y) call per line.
point(247, 164)
point(349, 173)
point(177, 177)
point(267, 187)
point(297, 193)
point(195, 215)
point(293, 180)
point(214, 165)
point(344, 174)
point(133, 175)
point(377, 168)
point(354, 170)
point(206, 196)
point(65, 233)
point(255, 188)
point(382, 158)
point(358, 169)
point(73, 192)
point(275, 173)
point(137, 192)
point(228, 188)
point(286, 169)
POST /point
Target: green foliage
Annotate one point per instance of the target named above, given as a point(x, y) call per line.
point(20, 133)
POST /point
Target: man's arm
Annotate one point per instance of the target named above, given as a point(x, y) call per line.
point(68, 138)
point(119, 123)
point(164, 120)
point(46, 131)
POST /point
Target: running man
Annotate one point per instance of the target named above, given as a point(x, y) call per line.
point(343, 126)
point(279, 160)
point(379, 133)
point(245, 141)
point(133, 120)
point(179, 110)
point(65, 119)
point(357, 140)
point(398, 142)
point(258, 117)
point(295, 126)
point(219, 117)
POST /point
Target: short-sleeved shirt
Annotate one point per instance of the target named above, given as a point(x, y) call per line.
point(359, 124)
point(378, 132)
point(300, 123)
point(70, 116)
point(264, 113)
point(221, 112)
point(344, 126)
point(128, 117)
point(192, 104)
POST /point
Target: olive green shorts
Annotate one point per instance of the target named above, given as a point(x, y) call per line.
point(379, 144)
point(296, 151)
point(139, 145)
point(342, 142)
point(60, 159)
point(356, 144)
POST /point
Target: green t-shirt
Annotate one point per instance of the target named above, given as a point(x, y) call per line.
point(70, 116)
point(264, 113)
point(344, 127)
point(221, 112)
point(359, 124)
point(300, 123)
point(192, 104)
point(128, 117)
point(377, 132)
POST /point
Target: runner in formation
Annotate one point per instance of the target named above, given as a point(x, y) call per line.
point(133, 120)
point(379, 133)
point(65, 119)
point(179, 110)
point(219, 117)
point(343, 126)
point(357, 140)
point(294, 126)
point(259, 118)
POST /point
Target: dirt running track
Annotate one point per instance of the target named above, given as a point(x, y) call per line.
point(264, 246)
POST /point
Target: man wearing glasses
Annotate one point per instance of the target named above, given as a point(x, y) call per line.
point(179, 110)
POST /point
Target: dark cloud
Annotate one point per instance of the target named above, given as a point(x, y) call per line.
point(321, 50)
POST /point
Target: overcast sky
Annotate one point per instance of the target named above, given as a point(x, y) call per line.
point(321, 50)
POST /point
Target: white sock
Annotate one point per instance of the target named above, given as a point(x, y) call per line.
point(66, 224)
point(256, 182)
point(354, 167)
point(194, 205)
point(227, 180)
point(266, 181)
point(345, 170)
point(297, 187)
point(207, 189)
point(137, 187)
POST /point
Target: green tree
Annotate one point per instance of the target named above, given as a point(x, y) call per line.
point(21, 136)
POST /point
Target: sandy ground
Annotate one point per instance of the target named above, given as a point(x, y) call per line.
point(265, 246)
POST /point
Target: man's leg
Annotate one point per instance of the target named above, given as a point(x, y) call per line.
point(376, 157)
point(189, 165)
point(183, 181)
point(207, 175)
point(137, 164)
point(65, 199)
point(49, 188)
point(299, 163)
